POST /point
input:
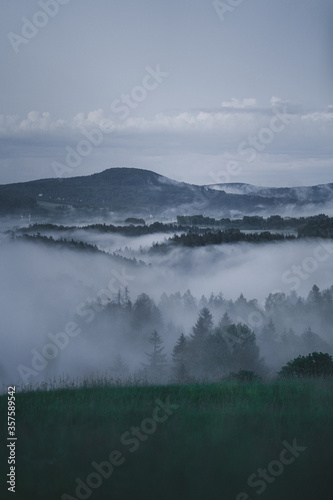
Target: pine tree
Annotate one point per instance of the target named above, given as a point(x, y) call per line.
point(146, 312)
point(179, 356)
point(203, 302)
point(119, 299)
point(157, 359)
point(314, 297)
point(189, 301)
point(203, 326)
point(225, 321)
point(126, 300)
point(311, 342)
point(201, 331)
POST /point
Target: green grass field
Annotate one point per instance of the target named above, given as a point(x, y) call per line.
point(205, 449)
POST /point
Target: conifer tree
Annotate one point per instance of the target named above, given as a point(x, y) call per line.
point(203, 326)
point(157, 359)
point(179, 356)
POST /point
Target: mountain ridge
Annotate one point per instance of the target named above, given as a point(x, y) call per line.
point(142, 192)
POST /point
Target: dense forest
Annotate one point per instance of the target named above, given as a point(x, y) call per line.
point(192, 239)
point(256, 222)
point(218, 337)
point(197, 231)
point(318, 225)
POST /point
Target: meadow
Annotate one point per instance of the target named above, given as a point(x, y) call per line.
point(174, 442)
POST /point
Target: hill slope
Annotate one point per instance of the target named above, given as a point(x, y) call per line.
point(142, 192)
point(310, 194)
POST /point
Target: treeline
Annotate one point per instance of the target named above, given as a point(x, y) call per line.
point(73, 245)
point(191, 339)
point(130, 230)
point(305, 226)
point(320, 227)
point(200, 231)
point(192, 239)
point(257, 222)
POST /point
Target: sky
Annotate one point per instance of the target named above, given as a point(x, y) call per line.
point(200, 91)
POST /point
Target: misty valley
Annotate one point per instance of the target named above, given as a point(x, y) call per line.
point(166, 250)
point(167, 345)
point(194, 300)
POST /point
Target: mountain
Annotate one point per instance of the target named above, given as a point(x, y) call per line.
point(142, 192)
point(321, 193)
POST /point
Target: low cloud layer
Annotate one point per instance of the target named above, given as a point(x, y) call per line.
point(196, 146)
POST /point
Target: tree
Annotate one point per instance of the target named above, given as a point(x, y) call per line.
point(145, 312)
point(216, 301)
point(289, 345)
point(312, 365)
point(157, 359)
point(275, 302)
point(231, 348)
point(268, 338)
point(126, 300)
point(189, 301)
point(225, 321)
point(203, 302)
point(179, 356)
point(314, 297)
point(241, 301)
point(244, 351)
point(203, 326)
point(311, 342)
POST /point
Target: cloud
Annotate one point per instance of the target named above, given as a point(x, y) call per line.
point(194, 140)
point(229, 117)
point(249, 102)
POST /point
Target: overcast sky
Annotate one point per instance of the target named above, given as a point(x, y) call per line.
point(237, 92)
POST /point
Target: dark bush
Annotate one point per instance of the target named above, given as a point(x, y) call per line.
point(316, 364)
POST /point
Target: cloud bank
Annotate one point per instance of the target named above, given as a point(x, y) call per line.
point(189, 145)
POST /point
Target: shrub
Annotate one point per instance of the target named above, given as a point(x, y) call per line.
point(312, 365)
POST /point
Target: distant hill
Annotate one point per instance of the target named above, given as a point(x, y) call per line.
point(321, 193)
point(137, 192)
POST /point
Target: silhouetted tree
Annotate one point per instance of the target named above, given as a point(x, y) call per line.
point(146, 313)
point(155, 369)
point(314, 297)
point(180, 358)
point(225, 321)
point(203, 325)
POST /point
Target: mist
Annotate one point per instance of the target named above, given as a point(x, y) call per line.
point(48, 291)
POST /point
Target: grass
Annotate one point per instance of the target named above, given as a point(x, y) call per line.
point(206, 449)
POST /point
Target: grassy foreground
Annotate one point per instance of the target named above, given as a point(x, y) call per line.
point(206, 448)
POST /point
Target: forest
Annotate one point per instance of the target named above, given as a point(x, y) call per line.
point(226, 337)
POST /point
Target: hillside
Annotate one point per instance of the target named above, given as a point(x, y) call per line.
point(143, 192)
point(310, 194)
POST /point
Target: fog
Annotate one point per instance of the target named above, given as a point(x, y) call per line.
point(46, 291)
